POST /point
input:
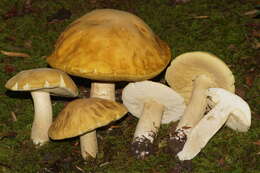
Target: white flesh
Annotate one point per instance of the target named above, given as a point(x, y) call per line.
point(103, 90)
point(42, 117)
point(150, 121)
point(88, 145)
point(204, 131)
point(197, 104)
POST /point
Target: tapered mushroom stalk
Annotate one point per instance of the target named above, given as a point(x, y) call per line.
point(225, 105)
point(88, 141)
point(42, 117)
point(41, 82)
point(191, 74)
point(153, 103)
point(81, 117)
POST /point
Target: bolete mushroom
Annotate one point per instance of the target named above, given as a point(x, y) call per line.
point(191, 74)
point(42, 82)
point(153, 103)
point(81, 117)
point(226, 108)
point(108, 45)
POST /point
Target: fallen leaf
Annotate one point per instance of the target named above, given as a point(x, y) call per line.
point(249, 80)
point(256, 33)
point(200, 17)
point(9, 68)
point(14, 54)
point(13, 115)
point(221, 161)
point(257, 142)
point(8, 135)
point(240, 92)
point(251, 13)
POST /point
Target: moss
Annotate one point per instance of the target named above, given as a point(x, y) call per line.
point(225, 32)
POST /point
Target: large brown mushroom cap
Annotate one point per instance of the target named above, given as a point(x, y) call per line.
point(185, 68)
point(84, 115)
point(110, 45)
point(45, 79)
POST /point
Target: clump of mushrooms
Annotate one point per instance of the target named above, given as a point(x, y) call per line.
point(42, 82)
point(227, 108)
point(153, 103)
point(191, 74)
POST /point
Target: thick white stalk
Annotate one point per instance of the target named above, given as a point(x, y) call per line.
point(42, 117)
point(197, 104)
point(204, 130)
point(88, 145)
point(150, 121)
point(146, 129)
point(103, 90)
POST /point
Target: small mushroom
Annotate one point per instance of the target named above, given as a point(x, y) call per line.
point(191, 74)
point(108, 45)
point(42, 82)
point(81, 117)
point(153, 103)
point(227, 108)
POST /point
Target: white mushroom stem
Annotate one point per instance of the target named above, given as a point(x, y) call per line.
point(204, 130)
point(197, 105)
point(149, 122)
point(42, 117)
point(103, 90)
point(88, 145)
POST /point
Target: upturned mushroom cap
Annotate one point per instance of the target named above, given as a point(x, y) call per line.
point(228, 107)
point(46, 79)
point(240, 116)
point(110, 45)
point(136, 94)
point(186, 67)
point(84, 115)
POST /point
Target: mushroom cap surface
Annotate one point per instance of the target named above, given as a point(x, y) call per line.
point(135, 94)
point(45, 79)
point(84, 115)
point(240, 116)
point(186, 67)
point(110, 45)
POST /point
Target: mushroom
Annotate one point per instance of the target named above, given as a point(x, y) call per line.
point(81, 117)
point(153, 103)
point(227, 108)
point(108, 45)
point(42, 82)
point(191, 74)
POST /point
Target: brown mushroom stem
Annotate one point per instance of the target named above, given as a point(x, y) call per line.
point(103, 90)
point(192, 114)
point(42, 117)
point(88, 145)
point(147, 128)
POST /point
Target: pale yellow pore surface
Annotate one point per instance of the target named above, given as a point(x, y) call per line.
point(46, 79)
point(110, 45)
point(185, 68)
point(83, 115)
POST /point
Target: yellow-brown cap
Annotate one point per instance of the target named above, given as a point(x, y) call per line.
point(46, 79)
point(110, 45)
point(84, 115)
point(186, 67)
